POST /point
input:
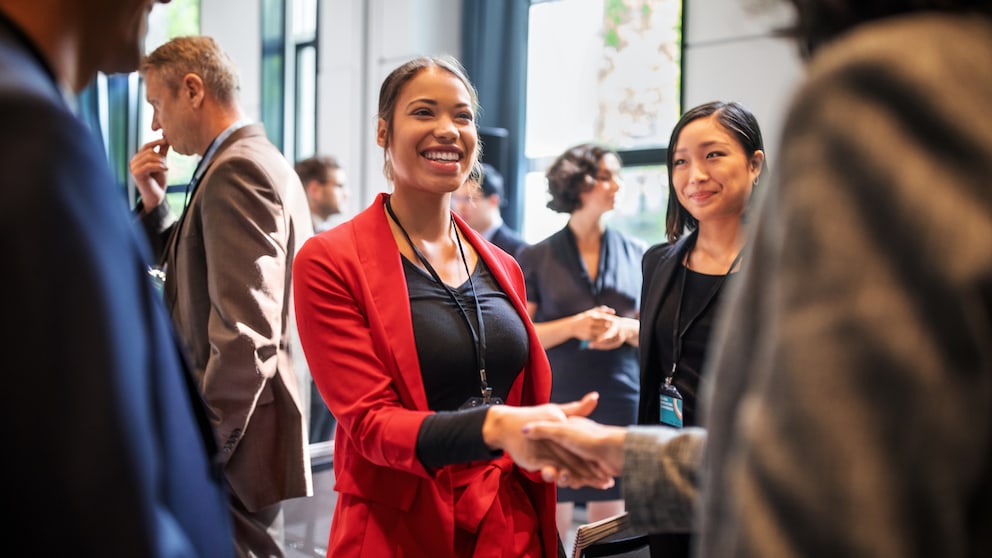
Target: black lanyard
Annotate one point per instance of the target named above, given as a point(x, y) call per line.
point(479, 337)
point(678, 332)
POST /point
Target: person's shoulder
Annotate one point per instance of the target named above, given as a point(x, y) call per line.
point(22, 76)
point(36, 127)
point(249, 160)
point(334, 248)
point(250, 145)
point(509, 240)
point(533, 252)
point(344, 237)
point(510, 233)
point(878, 50)
point(659, 251)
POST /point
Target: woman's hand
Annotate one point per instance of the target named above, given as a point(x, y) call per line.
point(504, 429)
point(593, 323)
point(600, 446)
point(622, 330)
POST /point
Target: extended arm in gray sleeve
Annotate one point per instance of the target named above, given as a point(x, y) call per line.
point(661, 477)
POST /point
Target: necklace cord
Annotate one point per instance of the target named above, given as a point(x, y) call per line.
point(478, 337)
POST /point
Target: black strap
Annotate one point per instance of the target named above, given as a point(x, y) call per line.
point(679, 331)
point(479, 337)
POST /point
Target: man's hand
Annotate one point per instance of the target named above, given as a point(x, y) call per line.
point(149, 170)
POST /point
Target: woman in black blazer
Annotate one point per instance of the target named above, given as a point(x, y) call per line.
point(715, 157)
point(714, 160)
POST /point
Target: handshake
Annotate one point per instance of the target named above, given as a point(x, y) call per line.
point(559, 441)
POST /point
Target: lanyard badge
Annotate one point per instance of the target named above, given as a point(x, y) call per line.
point(669, 399)
point(670, 404)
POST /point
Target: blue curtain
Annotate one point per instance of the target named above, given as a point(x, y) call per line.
point(494, 53)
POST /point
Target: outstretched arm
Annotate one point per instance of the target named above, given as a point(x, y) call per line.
point(659, 466)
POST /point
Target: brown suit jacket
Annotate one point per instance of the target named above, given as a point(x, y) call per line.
point(228, 263)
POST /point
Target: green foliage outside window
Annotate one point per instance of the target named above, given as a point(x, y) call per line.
point(183, 18)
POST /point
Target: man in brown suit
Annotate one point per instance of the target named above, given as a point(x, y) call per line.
point(227, 262)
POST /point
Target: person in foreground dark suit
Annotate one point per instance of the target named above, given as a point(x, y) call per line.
point(107, 447)
point(849, 403)
point(479, 204)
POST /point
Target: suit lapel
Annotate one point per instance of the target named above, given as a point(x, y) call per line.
point(171, 252)
point(382, 265)
point(658, 281)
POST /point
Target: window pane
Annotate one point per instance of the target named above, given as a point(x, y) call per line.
point(304, 20)
point(273, 91)
point(641, 205)
point(175, 19)
point(563, 57)
point(306, 102)
point(604, 71)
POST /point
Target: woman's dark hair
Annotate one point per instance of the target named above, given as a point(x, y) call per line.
point(819, 21)
point(572, 173)
point(389, 92)
point(739, 122)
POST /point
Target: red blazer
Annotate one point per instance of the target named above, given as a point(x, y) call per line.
point(354, 319)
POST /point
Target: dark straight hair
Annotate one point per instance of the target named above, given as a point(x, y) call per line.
point(739, 122)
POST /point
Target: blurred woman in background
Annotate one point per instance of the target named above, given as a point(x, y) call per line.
point(583, 291)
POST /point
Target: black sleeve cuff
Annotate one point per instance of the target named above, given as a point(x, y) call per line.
point(452, 437)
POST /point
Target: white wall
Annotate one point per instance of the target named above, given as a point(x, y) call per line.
point(399, 30)
point(730, 54)
point(237, 26)
point(361, 41)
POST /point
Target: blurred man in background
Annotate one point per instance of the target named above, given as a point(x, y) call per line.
point(326, 185)
point(479, 202)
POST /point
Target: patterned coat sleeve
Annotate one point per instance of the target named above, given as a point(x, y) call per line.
point(660, 479)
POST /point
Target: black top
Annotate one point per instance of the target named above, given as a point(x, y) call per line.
point(698, 287)
point(446, 352)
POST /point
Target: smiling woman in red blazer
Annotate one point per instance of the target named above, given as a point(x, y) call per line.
point(415, 328)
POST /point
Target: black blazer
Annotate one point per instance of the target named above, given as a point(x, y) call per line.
point(659, 266)
point(507, 239)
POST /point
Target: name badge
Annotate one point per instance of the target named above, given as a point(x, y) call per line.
point(670, 403)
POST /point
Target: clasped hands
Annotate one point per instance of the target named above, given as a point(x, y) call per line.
point(601, 329)
point(559, 441)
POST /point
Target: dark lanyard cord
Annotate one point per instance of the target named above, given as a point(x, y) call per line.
point(479, 337)
point(678, 332)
